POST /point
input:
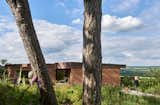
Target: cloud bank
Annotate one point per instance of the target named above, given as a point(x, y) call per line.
point(116, 24)
point(64, 43)
point(58, 42)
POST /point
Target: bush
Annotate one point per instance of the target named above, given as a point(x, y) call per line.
point(151, 84)
point(21, 95)
point(68, 95)
point(127, 81)
point(154, 90)
point(110, 95)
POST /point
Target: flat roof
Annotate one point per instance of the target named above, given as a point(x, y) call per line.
point(68, 65)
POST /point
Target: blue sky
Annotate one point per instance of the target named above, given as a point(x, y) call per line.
point(130, 31)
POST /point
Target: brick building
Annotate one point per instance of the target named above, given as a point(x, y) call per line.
point(70, 70)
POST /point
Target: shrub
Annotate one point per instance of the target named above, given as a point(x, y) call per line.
point(68, 95)
point(21, 95)
point(151, 84)
point(127, 81)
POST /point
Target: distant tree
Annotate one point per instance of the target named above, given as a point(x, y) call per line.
point(3, 62)
point(21, 12)
point(92, 57)
point(156, 74)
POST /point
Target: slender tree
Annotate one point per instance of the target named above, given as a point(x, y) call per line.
point(21, 12)
point(92, 52)
point(3, 62)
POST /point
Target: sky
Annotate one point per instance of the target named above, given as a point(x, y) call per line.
point(130, 31)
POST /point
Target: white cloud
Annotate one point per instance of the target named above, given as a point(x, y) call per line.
point(6, 24)
point(127, 54)
point(56, 41)
point(115, 24)
point(77, 21)
point(131, 50)
point(64, 43)
point(150, 16)
point(61, 3)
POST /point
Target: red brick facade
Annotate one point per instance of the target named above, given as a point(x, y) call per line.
point(110, 72)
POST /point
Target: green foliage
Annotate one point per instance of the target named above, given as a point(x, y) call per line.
point(3, 62)
point(21, 95)
point(138, 100)
point(60, 74)
point(156, 74)
point(110, 95)
point(146, 83)
point(4, 75)
point(151, 84)
point(126, 81)
point(68, 95)
point(1, 72)
point(154, 90)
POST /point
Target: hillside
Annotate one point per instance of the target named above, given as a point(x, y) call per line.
point(138, 70)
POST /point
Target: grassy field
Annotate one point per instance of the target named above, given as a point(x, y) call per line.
point(68, 95)
point(147, 84)
point(72, 95)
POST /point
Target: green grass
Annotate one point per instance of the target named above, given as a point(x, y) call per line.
point(72, 95)
point(21, 95)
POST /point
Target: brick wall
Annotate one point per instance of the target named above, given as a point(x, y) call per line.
point(110, 72)
point(12, 73)
point(52, 71)
point(14, 69)
point(76, 76)
point(111, 76)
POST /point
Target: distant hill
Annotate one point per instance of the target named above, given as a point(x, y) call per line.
point(138, 70)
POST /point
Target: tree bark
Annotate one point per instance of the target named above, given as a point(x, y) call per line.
point(92, 57)
point(22, 14)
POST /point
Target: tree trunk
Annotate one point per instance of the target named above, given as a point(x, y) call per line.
point(92, 58)
point(21, 12)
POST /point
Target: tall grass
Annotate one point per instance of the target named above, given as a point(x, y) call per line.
point(68, 95)
point(18, 95)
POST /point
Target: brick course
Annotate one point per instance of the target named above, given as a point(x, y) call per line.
point(110, 72)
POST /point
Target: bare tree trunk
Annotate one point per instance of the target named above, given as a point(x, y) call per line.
point(21, 11)
point(92, 57)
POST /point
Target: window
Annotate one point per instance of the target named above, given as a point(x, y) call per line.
point(62, 75)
